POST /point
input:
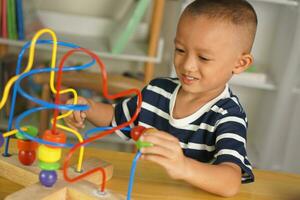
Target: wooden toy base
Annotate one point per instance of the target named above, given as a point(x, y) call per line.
point(82, 190)
point(13, 170)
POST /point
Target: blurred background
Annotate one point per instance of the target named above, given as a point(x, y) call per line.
point(134, 38)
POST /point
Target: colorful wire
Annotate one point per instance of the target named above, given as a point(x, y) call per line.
point(107, 132)
point(17, 79)
point(18, 69)
point(132, 172)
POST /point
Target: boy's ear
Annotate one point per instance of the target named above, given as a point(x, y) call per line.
point(244, 62)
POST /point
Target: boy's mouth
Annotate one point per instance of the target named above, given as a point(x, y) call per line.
point(186, 79)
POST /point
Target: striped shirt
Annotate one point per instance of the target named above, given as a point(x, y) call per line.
point(215, 133)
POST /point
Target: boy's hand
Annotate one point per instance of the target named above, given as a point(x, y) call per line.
point(166, 151)
point(77, 118)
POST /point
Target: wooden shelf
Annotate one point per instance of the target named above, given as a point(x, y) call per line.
point(136, 51)
point(93, 33)
point(93, 81)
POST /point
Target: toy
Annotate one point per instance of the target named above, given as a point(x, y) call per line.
point(48, 148)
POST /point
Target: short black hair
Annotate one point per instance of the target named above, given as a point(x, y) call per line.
point(236, 12)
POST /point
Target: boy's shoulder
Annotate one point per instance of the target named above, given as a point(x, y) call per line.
point(166, 83)
point(231, 105)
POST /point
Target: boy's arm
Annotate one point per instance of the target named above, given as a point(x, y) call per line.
point(99, 114)
point(223, 179)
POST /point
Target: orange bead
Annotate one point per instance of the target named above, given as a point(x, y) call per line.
point(58, 137)
point(27, 145)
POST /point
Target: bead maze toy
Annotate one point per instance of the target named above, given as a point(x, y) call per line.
point(45, 178)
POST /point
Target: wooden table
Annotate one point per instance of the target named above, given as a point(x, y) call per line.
point(151, 182)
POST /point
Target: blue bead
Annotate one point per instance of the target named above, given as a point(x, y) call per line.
point(1, 140)
point(48, 178)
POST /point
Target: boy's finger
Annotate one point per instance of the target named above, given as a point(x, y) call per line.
point(77, 117)
point(162, 135)
point(71, 126)
point(83, 115)
point(158, 150)
point(160, 160)
point(159, 141)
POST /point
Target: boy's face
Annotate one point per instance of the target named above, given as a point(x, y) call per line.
point(207, 53)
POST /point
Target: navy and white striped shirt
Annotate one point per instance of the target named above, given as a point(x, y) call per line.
point(216, 133)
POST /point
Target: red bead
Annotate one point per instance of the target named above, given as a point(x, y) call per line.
point(27, 157)
point(136, 132)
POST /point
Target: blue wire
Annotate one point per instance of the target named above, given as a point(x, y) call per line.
point(104, 128)
point(132, 172)
point(14, 96)
point(51, 106)
point(41, 102)
point(47, 105)
point(38, 140)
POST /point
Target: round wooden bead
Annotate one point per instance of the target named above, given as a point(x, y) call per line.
point(27, 145)
point(26, 157)
point(136, 132)
point(48, 178)
point(48, 166)
point(58, 137)
point(1, 140)
point(47, 154)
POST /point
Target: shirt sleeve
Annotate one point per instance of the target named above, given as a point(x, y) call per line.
point(123, 112)
point(231, 143)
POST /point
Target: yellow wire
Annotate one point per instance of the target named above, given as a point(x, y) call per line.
point(30, 63)
point(81, 151)
point(12, 132)
point(52, 83)
point(52, 87)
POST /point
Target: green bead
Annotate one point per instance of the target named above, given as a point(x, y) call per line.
point(49, 166)
point(140, 144)
point(31, 130)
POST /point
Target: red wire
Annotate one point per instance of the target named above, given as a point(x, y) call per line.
point(102, 134)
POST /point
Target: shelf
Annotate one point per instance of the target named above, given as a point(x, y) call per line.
point(283, 2)
point(135, 51)
point(253, 80)
point(93, 33)
point(93, 81)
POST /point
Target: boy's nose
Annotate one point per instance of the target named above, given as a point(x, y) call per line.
point(189, 64)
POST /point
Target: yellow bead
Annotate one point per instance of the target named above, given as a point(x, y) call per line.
point(48, 155)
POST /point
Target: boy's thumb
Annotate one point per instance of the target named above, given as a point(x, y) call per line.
point(83, 115)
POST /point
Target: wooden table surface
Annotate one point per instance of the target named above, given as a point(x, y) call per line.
point(151, 182)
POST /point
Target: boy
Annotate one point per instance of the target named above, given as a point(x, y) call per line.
point(201, 126)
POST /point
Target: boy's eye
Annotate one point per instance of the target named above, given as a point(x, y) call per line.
point(179, 50)
point(204, 58)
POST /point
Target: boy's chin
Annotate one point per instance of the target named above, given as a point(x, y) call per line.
point(193, 89)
